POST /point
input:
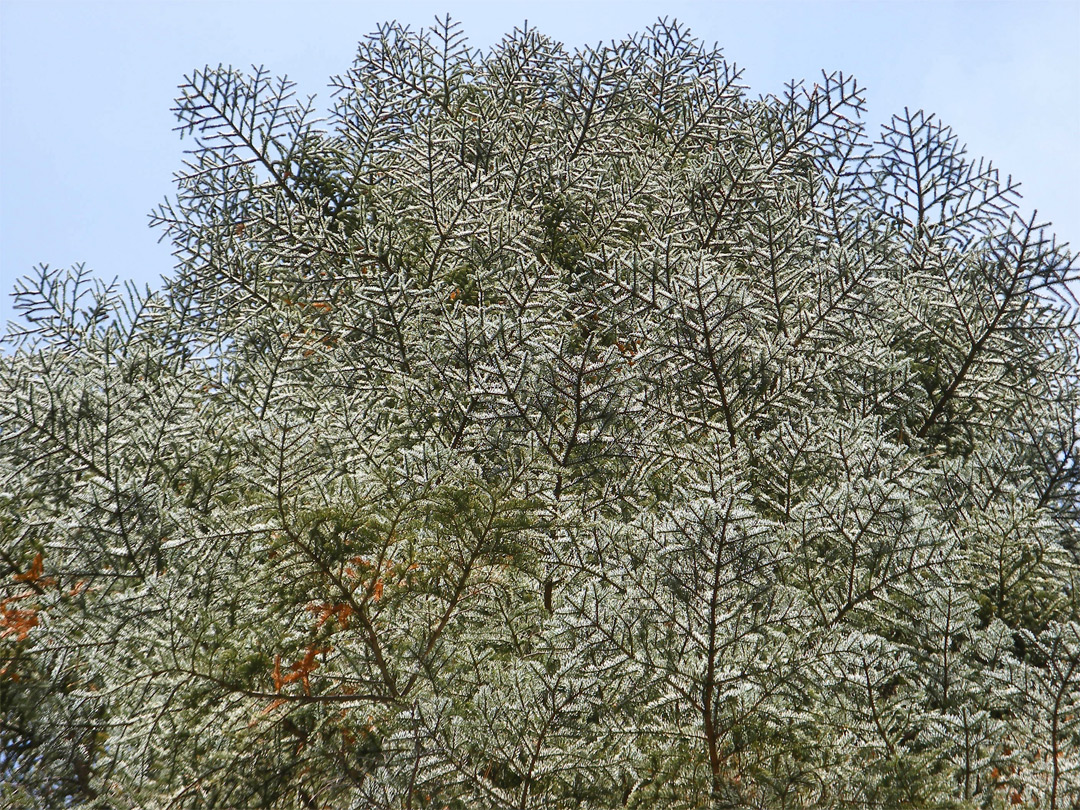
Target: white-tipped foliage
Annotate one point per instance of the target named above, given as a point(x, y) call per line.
point(549, 430)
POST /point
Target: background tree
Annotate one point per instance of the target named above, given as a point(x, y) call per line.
point(549, 429)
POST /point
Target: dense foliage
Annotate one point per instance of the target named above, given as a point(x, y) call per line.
point(549, 429)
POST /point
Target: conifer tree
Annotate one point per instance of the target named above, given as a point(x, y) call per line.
point(549, 428)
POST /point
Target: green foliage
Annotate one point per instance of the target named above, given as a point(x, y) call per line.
point(549, 429)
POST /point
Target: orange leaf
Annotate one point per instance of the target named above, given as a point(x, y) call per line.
point(269, 708)
point(35, 570)
point(17, 622)
point(300, 670)
point(325, 610)
point(273, 705)
point(377, 594)
point(278, 680)
point(344, 611)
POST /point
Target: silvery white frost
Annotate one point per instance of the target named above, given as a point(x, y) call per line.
point(549, 429)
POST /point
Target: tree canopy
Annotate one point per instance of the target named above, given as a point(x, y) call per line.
point(549, 428)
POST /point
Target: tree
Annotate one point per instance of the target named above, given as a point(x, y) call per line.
point(549, 429)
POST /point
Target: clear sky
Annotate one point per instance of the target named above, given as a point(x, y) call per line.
point(87, 147)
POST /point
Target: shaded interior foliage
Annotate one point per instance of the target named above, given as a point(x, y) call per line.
point(549, 428)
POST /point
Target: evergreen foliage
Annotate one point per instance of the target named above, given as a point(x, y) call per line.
point(549, 429)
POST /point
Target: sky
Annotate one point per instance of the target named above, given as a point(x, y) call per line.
point(87, 147)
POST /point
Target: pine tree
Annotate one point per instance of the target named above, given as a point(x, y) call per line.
point(549, 429)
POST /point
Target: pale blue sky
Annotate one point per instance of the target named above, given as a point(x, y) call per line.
point(87, 147)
